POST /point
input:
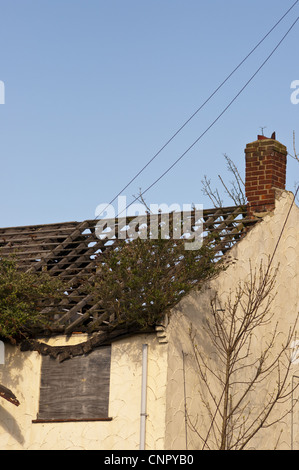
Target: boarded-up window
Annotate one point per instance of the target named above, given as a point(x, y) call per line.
point(76, 389)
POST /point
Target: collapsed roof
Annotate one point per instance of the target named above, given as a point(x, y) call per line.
point(73, 251)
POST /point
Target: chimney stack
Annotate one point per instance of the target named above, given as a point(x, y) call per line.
point(266, 162)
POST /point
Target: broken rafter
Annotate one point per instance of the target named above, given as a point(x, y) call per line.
point(8, 395)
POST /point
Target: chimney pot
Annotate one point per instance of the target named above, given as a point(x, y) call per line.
point(262, 137)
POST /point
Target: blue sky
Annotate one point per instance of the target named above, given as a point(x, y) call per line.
point(93, 89)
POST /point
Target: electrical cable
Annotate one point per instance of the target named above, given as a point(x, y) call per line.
point(199, 109)
point(217, 119)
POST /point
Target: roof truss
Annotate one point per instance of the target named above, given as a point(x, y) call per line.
point(72, 251)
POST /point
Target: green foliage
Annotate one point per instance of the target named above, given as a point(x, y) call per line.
point(139, 280)
point(21, 295)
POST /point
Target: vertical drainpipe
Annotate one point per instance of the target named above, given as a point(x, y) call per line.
point(143, 414)
point(2, 353)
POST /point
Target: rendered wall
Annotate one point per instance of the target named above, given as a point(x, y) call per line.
point(21, 373)
point(259, 244)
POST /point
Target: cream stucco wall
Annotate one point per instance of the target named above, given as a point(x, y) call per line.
point(21, 373)
point(173, 385)
point(257, 246)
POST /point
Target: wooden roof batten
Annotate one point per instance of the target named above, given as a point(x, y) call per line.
point(73, 250)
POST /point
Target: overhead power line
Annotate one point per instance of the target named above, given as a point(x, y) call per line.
point(217, 118)
point(199, 108)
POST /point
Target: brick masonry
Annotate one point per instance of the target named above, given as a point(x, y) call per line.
point(266, 162)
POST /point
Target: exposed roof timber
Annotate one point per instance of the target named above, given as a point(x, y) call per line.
point(71, 250)
point(8, 395)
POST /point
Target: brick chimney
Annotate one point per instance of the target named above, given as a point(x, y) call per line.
point(266, 162)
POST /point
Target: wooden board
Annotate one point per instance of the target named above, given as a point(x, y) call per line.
point(76, 389)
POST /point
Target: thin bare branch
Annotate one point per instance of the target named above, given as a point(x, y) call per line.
point(235, 418)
